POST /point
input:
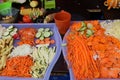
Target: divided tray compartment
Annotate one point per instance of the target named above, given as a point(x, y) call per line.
point(64, 52)
point(56, 36)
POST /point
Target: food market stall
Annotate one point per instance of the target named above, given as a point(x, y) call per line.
point(34, 46)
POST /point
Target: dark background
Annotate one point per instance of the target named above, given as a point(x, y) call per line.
point(82, 9)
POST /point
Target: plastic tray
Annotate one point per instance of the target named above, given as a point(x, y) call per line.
point(56, 37)
point(64, 51)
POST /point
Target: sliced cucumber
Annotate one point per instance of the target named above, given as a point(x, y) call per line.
point(90, 26)
point(38, 35)
point(40, 29)
point(8, 36)
point(47, 34)
point(89, 32)
point(12, 33)
point(64, 44)
point(87, 35)
point(15, 29)
point(42, 38)
point(10, 27)
point(47, 29)
point(83, 28)
point(6, 33)
point(9, 30)
point(82, 32)
point(84, 24)
point(51, 33)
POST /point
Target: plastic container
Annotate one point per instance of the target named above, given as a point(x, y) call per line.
point(58, 41)
point(9, 12)
point(64, 51)
point(5, 5)
point(62, 20)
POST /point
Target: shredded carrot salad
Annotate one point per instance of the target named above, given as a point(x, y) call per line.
point(97, 56)
point(18, 66)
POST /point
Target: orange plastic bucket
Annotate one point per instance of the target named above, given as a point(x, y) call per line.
point(62, 20)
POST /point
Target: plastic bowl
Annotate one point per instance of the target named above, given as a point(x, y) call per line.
point(58, 42)
point(8, 12)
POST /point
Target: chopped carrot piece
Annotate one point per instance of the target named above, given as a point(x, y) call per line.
point(47, 42)
point(52, 41)
point(47, 39)
point(37, 41)
point(42, 42)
